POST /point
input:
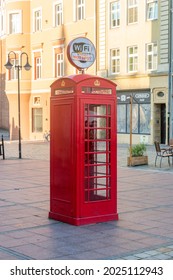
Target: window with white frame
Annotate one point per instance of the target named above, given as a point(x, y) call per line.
point(58, 14)
point(13, 74)
point(15, 22)
point(115, 13)
point(2, 3)
point(2, 26)
point(37, 20)
point(2, 17)
point(115, 61)
point(152, 9)
point(37, 68)
point(59, 64)
point(151, 56)
point(132, 59)
point(79, 9)
point(36, 100)
point(37, 65)
point(37, 119)
point(132, 11)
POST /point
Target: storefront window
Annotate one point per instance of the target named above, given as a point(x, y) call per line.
point(121, 114)
point(145, 115)
point(135, 118)
point(141, 112)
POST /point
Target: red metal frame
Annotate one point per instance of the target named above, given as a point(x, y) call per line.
point(83, 150)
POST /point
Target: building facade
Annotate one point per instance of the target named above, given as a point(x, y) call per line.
point(132, 46)
point(42, 31)
point(133, 43)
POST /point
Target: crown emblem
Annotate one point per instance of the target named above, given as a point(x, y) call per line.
point(97, 83)
point(63, 83)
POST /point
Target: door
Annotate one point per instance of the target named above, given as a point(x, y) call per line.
point(160, 123)
point(163, 124)
point(62, 172)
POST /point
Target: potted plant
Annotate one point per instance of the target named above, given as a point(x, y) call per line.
point(138, 156)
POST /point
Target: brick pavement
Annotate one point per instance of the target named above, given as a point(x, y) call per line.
point(144, 229)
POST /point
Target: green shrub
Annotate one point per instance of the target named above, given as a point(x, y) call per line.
point(138, 150)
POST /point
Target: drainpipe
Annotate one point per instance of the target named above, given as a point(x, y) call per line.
point(170, 82)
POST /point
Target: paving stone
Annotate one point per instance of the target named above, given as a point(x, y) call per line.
point(144, 229)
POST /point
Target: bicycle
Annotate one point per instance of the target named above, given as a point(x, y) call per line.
point(46, 136)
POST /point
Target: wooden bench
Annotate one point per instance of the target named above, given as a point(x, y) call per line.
point(2, 150)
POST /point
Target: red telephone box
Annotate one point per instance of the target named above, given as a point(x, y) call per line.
point(83, 150)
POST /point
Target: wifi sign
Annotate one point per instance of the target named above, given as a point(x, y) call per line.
point(81, 53)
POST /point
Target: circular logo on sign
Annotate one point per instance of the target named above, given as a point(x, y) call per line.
point(81, 53)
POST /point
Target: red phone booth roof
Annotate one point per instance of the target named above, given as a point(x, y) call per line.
point(77, 79)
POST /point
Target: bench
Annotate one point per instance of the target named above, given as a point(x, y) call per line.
point(2, 151)
point(166, 152)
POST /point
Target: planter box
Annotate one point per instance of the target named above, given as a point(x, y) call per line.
point(137, 160)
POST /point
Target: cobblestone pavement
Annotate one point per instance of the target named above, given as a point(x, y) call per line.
point(144, 229)
point(40, 150)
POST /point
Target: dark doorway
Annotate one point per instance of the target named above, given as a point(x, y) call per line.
point(163, 124)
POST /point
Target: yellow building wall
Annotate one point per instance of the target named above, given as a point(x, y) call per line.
point(96, 27)
point(44, 41)
point(13, 116)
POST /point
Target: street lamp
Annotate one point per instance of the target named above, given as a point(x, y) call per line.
point(27, 67)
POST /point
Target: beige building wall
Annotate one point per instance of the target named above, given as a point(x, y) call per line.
point(35, 93)
point(137, 34)
point(17, 43)
point(44, 42)
point(50, 38)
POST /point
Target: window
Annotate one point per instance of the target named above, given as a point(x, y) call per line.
point(141, 112)
point(13, 71)
point(121, 118)
point(37, 68)
point(135, 118)
point(132, 59)
point(37, 65)
point(79, 9)
point(36, 100)
point(2, 26)
point(151, 55)
point(59, 62)
point(58, 14)
point(97, 145)
point(2, 3)
point(115, 61)
point(115, 13)
point(15, 23)
point(37, 119)
point(2, 17)
point(132, 11)
point(144, 115)
point(152, 9)
point(37, 21)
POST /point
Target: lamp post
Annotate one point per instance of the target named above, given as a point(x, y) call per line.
point(18, 67)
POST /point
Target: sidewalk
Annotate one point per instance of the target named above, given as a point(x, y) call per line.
point(144, 229)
